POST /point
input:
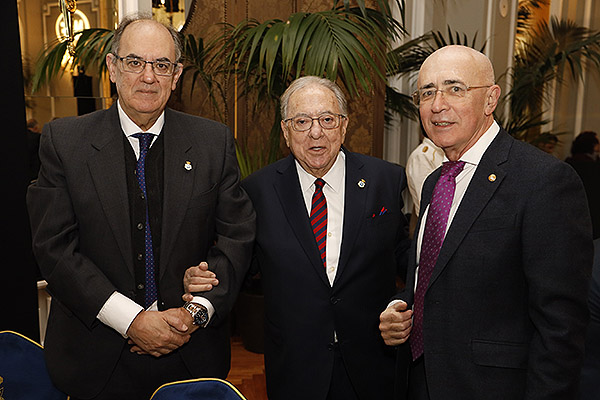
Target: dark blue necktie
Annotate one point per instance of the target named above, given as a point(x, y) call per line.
point(145, 139)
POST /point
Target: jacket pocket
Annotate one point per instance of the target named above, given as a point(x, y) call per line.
point(499, 354)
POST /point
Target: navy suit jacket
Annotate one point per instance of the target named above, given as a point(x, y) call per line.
point(505, 310)
point(590, 373)
point(302, 309)
point(82, 240)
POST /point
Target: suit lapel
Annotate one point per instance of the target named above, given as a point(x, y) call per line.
point(178, 182)
point(355, 199)
point(478, 194)
point(107, 168)
point(290, 196)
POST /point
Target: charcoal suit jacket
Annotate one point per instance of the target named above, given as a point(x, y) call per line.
point(505, 310)
point(82, 239)
point(302, 309)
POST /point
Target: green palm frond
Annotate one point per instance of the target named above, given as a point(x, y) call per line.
point(540, 60)
point(400, 103)
point(383, 5)
point(90, 48)
point(198, 59)
point(334, 44)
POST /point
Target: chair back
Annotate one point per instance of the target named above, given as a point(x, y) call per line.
point(198, 389)
point(23, 374)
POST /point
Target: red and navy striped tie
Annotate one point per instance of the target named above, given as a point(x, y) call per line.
point(318, 217)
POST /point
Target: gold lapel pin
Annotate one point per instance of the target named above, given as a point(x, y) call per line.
point(188, 165)
point(361, 184)
point(492, 177)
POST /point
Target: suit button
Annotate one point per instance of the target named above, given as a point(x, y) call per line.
point(140, 226)
point(140, 256)
point(142, 196)
point(140, 286)
point(334, 300)
point(330, 346)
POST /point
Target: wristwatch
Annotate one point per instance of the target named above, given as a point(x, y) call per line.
point(198, 312)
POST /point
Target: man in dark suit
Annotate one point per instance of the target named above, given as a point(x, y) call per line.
point(324, 293)
point(495, 300)
point(116, 224)
point(590, 372)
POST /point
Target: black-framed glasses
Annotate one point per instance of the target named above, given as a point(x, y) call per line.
point(452, 91)
point(137, 65)
point(303, 123)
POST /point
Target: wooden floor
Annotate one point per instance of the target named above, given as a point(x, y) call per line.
point(247, 372)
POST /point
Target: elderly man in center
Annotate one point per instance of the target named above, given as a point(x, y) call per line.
point(331, 238)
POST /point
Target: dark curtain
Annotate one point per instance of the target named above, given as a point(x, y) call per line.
point(18, 291)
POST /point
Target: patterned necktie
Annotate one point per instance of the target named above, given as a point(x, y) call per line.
point(318, 217)
point(145, 139)
point(433, 237)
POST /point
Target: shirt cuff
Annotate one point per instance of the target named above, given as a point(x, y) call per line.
point(118, 312)
point(206, 303)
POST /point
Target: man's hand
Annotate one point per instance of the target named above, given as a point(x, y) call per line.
point(395, 324)
point(198, 279)
point(160, 332)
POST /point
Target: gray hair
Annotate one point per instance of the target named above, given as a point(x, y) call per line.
point(313, 80)
point(116, 42)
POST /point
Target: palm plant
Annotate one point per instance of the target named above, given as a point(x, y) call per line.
point(549, 49)
point(344, 43)
point(91, 49)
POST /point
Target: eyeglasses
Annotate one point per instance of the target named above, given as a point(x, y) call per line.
point(453, 92)
point(304, 123)
point(137, 65)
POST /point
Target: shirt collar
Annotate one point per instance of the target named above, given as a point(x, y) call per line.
point(474, 154)
point(129, 127)
point(334, 178)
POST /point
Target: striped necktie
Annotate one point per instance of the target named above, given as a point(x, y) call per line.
point(318, 217)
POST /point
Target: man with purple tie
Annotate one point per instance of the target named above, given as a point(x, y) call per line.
point(495, 301)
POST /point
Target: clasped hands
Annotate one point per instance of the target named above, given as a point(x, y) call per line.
point(160, 332)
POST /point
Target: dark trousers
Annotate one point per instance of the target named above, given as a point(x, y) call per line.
point(136, 377)
point(417, 380)
point(340, 387)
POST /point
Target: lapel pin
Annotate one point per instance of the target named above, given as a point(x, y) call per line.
point(188, 165)
point(361, 184)
point(492, 177)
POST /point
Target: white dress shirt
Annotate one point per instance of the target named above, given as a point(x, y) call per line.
point(119, 311)
point(334, 195)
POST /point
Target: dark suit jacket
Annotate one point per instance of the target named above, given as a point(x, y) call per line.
point(590, 372)
point(302, 309)
point(81, 229)
point(505, 310)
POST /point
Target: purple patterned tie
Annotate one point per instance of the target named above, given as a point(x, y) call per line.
point(145, 139)
point(318, 217)
point(433, 237)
